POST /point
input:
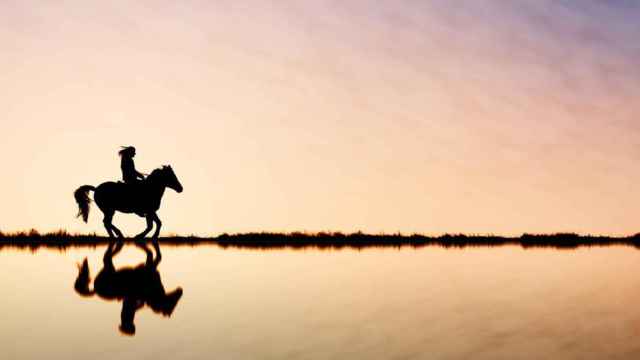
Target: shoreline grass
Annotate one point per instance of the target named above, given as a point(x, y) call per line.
point(323, 240)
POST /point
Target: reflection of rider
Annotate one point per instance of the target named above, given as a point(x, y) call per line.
point(129, 173)
point(134, 286)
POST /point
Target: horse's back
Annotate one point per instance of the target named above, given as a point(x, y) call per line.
point(116, 196)
point(116, 284)
point(108, 186)
point(106, 191)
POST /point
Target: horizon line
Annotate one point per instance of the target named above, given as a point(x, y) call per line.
point(322, 240)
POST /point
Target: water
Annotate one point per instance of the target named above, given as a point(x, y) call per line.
point(428, 303)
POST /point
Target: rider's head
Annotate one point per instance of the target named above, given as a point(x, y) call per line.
point(127, 151)
point(127, 329)
point(129, 307)
point(82, 281)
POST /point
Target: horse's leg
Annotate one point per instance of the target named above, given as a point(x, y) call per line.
point(107, 259)
point(148, 253)
point(149, 259)
point(108, 217)
point(111, 229)
point(138, 240)
point(118, 232)
point(118, 246)
point(147, 230)
point(156, 219)
point(120, 238)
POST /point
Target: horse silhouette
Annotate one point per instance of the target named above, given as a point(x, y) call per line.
point(134, 286)
point(142, 198)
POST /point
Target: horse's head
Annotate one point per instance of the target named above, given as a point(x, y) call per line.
point(172, 179)
point(167, 177)
point(166, 303)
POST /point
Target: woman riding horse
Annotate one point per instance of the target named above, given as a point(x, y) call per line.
point(143, 200)
point(129, 173)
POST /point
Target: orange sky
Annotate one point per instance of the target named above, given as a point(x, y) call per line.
point(279, 116)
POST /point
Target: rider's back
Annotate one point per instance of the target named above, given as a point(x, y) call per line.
point(129, 173)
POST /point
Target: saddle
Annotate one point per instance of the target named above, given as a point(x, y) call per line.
point(133, 185)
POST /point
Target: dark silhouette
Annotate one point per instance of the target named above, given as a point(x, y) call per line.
point(61, 240)
point(129, 173)
point(142, 198)
point(134, 286)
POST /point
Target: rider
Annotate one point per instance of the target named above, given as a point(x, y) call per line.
point(129, 173)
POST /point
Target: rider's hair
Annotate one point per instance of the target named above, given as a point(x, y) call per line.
point(126, 151)
point(128, 329)
point(82, 281)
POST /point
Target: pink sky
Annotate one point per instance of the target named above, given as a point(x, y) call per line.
point(411, 116)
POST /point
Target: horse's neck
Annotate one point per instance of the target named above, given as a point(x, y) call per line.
point(157, 189)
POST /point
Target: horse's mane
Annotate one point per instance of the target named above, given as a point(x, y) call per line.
point(157, 172)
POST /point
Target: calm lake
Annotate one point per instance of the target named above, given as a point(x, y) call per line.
point(379, 303)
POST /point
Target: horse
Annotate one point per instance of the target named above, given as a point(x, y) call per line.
point(141, 198)
point(134, 286)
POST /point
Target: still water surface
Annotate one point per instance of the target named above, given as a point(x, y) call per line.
point(427, 303)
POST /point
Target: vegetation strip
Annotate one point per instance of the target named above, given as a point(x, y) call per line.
point(322, 240)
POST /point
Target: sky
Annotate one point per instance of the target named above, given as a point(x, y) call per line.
point(437, 116)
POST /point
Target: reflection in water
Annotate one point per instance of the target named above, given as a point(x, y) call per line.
point(433, 303)
point(134, 286)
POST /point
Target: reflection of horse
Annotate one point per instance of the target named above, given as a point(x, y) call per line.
point(135, 286)
point(141, 198)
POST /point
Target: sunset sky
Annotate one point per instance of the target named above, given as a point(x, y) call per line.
point(382, 116)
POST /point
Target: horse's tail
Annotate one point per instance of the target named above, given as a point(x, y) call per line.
point(82, 281)
point(83, 200)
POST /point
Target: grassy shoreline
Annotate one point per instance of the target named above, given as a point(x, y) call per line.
point(62, 240)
